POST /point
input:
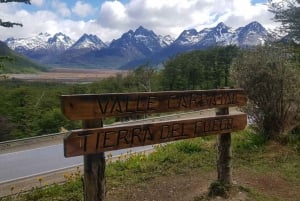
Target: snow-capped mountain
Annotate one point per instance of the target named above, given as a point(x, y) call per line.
point(219, 35)
point(252, 34)
point(165, 40)
point(142, 41)
point(42, 41)
point(30, 43)
point(60, 42)
point(42, 48)
point(88, 41)
point(133, 47)
point(188, 38)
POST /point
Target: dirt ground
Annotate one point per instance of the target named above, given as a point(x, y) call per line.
point(194, 187)
point(249, 184)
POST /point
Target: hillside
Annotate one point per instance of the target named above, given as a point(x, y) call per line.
point(16, 63)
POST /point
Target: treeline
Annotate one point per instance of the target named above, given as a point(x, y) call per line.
point(31, 109)
point(199, 69)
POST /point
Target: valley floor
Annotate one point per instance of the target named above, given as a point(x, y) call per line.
point(68, 75)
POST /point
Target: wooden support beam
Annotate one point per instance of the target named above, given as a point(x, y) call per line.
point(224, 153)
point(94, 170)
point(93, 140)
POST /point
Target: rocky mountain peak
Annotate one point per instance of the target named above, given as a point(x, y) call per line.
point(132, 45)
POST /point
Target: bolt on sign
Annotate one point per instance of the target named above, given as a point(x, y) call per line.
point(91, 141)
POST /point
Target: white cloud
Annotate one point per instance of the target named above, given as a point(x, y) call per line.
point(171, 17)
point(82, 9)
point(114, 17)
point(37, 2)
point(61, 8)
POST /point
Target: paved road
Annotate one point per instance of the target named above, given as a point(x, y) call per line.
point(27, 163)
point(37, 161)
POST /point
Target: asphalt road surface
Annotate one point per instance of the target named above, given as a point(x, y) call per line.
point(32, 162)
point(37, 161)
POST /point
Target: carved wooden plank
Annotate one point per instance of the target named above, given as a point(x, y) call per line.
point(89, 141)
point(83, 107)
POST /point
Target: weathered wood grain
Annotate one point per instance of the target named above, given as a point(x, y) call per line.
point(91, 141)
point(94, 169)
point(84, 107)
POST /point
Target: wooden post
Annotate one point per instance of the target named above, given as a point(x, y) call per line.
point(94, 170)
point(93, 142)
point(224, 154)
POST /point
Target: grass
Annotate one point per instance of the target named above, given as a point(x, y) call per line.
point(254, 152)
point(175, 158)
point(251, 153)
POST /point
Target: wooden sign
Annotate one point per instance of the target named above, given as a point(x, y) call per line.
point(91, 141)
point(85, 107)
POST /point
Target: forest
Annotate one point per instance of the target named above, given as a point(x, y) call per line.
point(270, 75)
point(29, 108)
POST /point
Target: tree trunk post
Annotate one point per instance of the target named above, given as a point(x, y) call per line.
point(94, 170)
point(224, 154)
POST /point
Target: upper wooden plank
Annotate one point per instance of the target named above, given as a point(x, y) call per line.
point(94, 106)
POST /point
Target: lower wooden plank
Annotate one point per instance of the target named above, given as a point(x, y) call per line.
point(90, 141)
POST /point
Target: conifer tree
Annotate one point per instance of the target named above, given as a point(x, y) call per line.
point(287, 12)
point(11, 24)
point(8, 24)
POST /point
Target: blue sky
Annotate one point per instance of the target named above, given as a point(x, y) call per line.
point(109, 19)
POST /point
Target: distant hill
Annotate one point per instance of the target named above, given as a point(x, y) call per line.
point(16, 63)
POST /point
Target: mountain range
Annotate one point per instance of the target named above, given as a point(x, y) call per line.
point(133, 48)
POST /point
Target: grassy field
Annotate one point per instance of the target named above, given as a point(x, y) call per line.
point(183, 171)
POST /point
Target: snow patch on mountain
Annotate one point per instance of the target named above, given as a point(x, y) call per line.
point(30, 43)
point(60, 41)
point(133, 45)
point(89, 41)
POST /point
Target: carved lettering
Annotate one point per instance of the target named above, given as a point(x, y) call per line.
point(199, 128)
point(123, 137)
point(112, 105)
point(97, 140)
point(139, 105)
point(137, 134)
point(103, 108)
point(151, 103)
point(177, 130)
point(164, 131)
point(173, 102)
point(108, 139)
point(148, 135)
point(89, 141)
point(129, 109)
point(116, 106)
